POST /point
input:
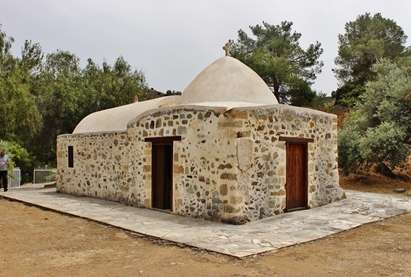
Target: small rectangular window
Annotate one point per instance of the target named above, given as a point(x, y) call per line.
point(70, 156)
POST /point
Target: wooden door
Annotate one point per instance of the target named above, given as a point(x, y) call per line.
point(162, 178)
point(296, 183)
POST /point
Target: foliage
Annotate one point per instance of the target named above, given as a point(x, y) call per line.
point(365, 41)
point(322, 102)
point(19, 115)
point(17, 155)
point(379, 128)
point(109, 86)
point(44, 95)
point(274, 52)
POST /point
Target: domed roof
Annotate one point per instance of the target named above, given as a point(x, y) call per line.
point(228, 80)
point(227, 83)
point(116, 119)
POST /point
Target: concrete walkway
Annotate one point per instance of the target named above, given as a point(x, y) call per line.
point(239, 241)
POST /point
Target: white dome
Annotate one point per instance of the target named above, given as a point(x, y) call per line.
point(227, 83)
point(228, 80)
point(116, 119)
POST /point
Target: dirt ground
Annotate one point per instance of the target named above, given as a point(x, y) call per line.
point(36, 242)
point(375, 183)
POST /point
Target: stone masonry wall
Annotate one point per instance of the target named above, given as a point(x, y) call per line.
point(265, 177)
point(205, 162)
point(229, 165)
point(100, 165)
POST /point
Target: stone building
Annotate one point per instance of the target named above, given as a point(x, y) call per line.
point(223, 150)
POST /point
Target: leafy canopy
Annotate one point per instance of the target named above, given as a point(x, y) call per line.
point(274, 52)
point(379, 128)
point(365, 41)
point(44, 95)
point(17, 155)
point(20, 119)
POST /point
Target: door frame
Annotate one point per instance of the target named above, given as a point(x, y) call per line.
point(163, 141)
point(304, 142)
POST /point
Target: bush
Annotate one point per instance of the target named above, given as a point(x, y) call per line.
point(18, 155)
point(378, 131)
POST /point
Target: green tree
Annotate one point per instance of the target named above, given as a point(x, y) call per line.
point(20, 119)
point(110, 86)
point(66, 94)
point(274, 52)
point(366, 40)
point(378, 131)
point(18, 155)
point(6, 58)
point(43, 96)
point(57, 89)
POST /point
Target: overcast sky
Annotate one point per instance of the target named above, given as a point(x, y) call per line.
point(172, 40)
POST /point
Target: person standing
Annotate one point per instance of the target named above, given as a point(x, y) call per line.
point(3, 169)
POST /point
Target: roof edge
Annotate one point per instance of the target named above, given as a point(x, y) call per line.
point(287, 107)
point(91, 134)
point(218, 110)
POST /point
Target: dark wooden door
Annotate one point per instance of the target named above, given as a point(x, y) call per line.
point(296, 183)
point(162, 178)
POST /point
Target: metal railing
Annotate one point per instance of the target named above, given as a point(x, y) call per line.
point(44, 175)
point(14, 178)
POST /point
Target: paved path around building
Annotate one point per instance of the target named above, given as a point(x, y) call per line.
point(235, 240)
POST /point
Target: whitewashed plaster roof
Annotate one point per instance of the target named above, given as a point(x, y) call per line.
point(227, 83)
point(228, 79)
point(116, 119)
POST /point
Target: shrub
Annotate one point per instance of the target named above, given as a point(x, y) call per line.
point(378, 131)
point(18, 155)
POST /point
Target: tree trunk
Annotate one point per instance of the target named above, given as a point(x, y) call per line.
point(276, 86)
point(383, 169)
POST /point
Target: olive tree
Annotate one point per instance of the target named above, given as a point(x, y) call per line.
point(378, 131)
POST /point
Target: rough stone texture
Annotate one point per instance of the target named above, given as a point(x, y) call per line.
point(228, 166)
point(100, 165)
point(244, 153)
point(249, 239)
